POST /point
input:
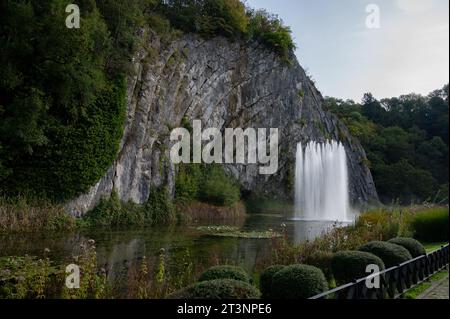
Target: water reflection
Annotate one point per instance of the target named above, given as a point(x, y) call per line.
point(123, 249)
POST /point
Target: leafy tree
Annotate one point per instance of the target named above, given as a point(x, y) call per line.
point(406, 140)
point(61, 109)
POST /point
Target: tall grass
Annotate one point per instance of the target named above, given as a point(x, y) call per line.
point(379, 224)
point(21, 214)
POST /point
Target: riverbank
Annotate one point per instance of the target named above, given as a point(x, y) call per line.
point(157, 261)
point(24, 215)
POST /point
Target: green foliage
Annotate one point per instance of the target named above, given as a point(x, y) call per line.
point(188, 182)
point(266, 278)
point(431, 225)
point(298, 282)
point(414, 247)
point(218, 188)
point(79, 155)
point(159, 207)
point(225, 272)
point(406, 140)
point(322, 260)
point(206, 183)
point(93, 283)
point(207, 17)
point(112, 212)
point(61, 103)
point(391, 254)
point(348, 266)
point(218, 289)
point(229, 18)
point(271, 31)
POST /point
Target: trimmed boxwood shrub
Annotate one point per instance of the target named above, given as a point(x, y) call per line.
point(322, 260)
point(265, 280)
point(350, 265)
point(298, 282)
point(391, 254)
point(218, 289)
point(414, 247)
point(225, 272)
point(431, 225)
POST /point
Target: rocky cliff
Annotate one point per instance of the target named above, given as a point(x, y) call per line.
point(226, 85)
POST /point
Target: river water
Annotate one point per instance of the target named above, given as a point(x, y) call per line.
point(122, 248)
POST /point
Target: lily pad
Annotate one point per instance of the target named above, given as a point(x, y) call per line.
point(235, 232)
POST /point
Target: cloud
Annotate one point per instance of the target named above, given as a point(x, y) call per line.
point(415, 6)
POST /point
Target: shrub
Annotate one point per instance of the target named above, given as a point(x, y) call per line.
point(298, 282)
point(271, 31)
point(414, 247)
point(218, 289)
point(159, 209)
point(187, 183)
point(218, 188)
point(350, 265)
point(431, 225)
point(391, 254)
point(225, 272)
point(206, 183)
point(322, 260)
point(266, 278)
point(208, 17)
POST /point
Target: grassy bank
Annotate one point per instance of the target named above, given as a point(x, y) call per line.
point(161, 275)
point(21, 214)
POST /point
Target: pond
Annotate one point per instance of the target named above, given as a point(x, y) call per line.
point(119, 249)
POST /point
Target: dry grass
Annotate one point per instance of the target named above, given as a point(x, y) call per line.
point(206, 212)
point(24, 215)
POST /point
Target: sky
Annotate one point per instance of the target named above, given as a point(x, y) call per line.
point(408, 53)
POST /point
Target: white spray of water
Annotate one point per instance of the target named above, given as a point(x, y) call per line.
point(321, 182)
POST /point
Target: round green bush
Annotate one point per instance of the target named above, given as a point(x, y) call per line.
point(225, 272)
point(298, 282)
point(265, 280)
point(322, 260)
point(391, 254)
point(218, 289)
point(350, 265)
point(414, 247)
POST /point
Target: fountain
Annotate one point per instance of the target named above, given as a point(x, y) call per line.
point(321, 182)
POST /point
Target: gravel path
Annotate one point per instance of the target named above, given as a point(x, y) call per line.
point(438, 291)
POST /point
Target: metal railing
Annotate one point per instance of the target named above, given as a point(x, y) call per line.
point(394, 281)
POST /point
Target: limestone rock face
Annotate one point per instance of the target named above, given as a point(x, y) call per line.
point(225, 85)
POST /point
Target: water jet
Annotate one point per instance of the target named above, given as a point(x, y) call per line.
point(321, 182)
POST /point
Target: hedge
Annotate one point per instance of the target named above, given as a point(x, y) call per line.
point(431, 225)
point(225, 272)
point(350, 265)
point(298, 282)
point(414, 247)
point(391, 254)
point(266, 278)
point(218, 289)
